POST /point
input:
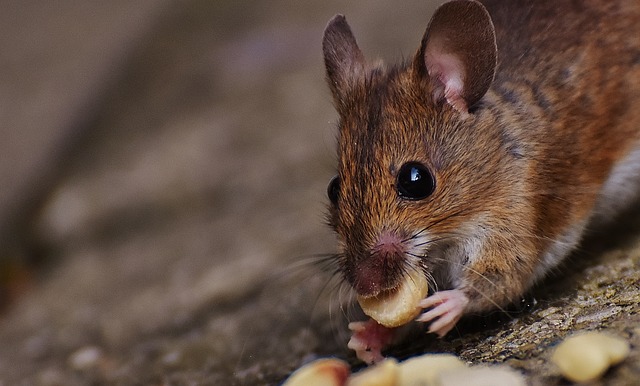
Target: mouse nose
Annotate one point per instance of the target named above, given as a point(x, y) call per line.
point(389, 245)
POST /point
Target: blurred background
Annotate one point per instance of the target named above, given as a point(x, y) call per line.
point(160, 160)
point(163, 169)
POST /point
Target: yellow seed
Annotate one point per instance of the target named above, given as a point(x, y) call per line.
point(384, 373)
point(482, 375)
point(395, 308)
point(321, 372)
point(585, 357)
point(424, 370)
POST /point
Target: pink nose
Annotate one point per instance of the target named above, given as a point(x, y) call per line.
point(389, 244)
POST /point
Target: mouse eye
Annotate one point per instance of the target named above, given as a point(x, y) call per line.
point(415, 181)
point(333, 190)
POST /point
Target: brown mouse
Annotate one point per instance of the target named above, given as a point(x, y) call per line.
point(482, 161)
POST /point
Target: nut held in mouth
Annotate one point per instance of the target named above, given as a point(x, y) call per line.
point(400, 306)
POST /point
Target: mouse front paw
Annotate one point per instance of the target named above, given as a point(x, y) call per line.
point(368, 339)
point(446, 308)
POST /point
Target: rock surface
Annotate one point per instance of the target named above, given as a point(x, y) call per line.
point(179, 230)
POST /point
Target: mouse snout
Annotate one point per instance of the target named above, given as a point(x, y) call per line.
point(381, 268)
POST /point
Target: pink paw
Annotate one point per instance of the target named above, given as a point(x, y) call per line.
point(369, 339)
point(447, 309)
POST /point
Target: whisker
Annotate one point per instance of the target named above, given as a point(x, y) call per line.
point(432, 241)
point(324, 262)
point(348, 296)
point(488, 298)
point(448, 217)
point(339, 296)
point(481, 275)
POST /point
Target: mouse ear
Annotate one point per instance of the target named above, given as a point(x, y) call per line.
point(343, 59)
point(459, 53)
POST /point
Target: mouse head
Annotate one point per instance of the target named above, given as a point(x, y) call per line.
point(406, 144)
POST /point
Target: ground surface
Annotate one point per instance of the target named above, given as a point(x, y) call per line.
point(166, 170)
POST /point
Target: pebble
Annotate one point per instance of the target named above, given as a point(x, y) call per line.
point(85, 358)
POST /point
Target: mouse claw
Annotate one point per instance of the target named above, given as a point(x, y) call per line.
point(369, 339)
point(447, 307)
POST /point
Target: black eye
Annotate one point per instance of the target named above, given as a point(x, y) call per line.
point(333, 190)
point(415, 181)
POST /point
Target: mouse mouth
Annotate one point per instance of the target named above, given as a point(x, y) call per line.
point(383, 293)
point(381, 270)
point(370, 279)
point(377, 275)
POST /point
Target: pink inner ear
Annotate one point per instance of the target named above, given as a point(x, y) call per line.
point(449, 71)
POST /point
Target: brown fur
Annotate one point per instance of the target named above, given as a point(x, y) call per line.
point(513, 176)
